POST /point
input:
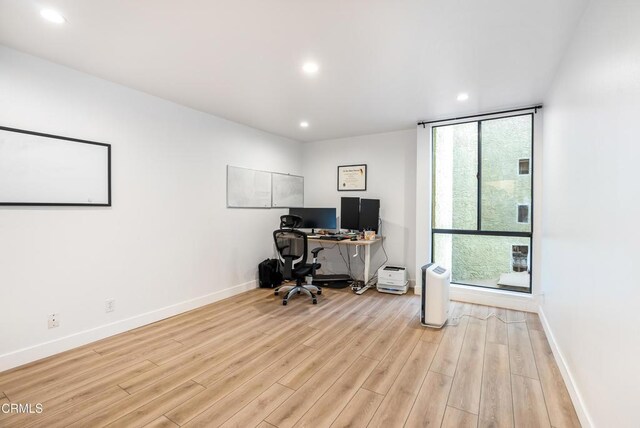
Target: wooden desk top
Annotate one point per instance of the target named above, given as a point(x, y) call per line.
point(346, 241)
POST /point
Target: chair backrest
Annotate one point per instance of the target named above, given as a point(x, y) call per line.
point(291, 245)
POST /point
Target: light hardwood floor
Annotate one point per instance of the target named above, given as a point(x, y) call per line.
point(350, 361)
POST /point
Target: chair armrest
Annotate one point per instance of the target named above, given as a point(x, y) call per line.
point(315, 251)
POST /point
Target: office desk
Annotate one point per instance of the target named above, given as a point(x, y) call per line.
point(367, 254)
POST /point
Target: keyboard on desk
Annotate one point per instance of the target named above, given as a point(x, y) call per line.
point(334, 237)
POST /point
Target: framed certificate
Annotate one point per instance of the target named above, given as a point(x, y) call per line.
point(352, 177)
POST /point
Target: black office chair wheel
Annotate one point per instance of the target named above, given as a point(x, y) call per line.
point(284, 303)
point(319, 292)
point(275, 293)
point(315, 301)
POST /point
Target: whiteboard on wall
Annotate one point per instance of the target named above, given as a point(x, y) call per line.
point(288, 191)
point(248, 188)
point(44, 169)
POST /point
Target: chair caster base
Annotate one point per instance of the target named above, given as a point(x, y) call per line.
point(315, 301)
point(319, 292)
point(284, 303)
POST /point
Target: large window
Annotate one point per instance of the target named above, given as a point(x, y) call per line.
point(482, 201)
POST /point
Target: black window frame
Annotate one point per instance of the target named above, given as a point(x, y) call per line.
point(479, 231)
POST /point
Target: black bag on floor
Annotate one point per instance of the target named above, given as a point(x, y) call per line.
point(269, 275)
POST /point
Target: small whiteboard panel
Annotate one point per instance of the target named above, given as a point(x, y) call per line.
point(248, 188)
point(288, 191)
point(43, 169)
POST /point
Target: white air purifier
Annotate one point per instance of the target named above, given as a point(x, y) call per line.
point(435, 296)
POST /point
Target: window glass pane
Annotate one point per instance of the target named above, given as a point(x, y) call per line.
point(501, 262)
point(505, 142)
point(455, 162)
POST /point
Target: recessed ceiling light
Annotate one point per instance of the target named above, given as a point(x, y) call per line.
point(304, 124)
point(52, 16)
point(310, 67)
point(463, 96)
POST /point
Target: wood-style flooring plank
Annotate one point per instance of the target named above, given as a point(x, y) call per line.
point(161, 422)
point(226, 407)
point(395, 407)
point(467, 382)
point(388, 312)
point(155, 408)
point(389, 335)
point(254, 412)
point(68, 416)
point(235, 385)
point(308, 367)
point(431, 403)
point(561, 411)
point(434, 335)
point(387, 370)
point(456, 418)
point(446, 359)
point(349, 361)
point(24, 373)
point(521, 357)
point(305, 397)
point(259, 357)
point(78, 396)
point(497, 328)
point(533, 322)
point(324, 412)
point(496, 409)
point(528, 403)
point(359, 410)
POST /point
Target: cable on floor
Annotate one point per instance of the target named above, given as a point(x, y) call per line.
point(492, 314)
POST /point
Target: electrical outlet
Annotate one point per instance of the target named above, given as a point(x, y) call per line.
point(110, 305)
point(54, 320)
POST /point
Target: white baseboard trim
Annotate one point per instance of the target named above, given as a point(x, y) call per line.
point(46, 349)
point(574, 393)
point(489, 297)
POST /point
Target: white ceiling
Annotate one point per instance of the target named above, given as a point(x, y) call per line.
point(385, 64)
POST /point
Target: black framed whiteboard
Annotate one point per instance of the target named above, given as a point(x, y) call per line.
point(51, 170)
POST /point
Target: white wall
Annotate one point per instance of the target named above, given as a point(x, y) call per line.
point(168, 243)
point(390, 159)
point(591, 211)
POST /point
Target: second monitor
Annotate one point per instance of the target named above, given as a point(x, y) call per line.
point(359, 214)
point(369, 214)
point(316, 218)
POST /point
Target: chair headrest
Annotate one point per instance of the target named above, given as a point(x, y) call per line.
point(290, 221)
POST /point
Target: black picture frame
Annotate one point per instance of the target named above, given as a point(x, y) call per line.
point(349, 188)
point(59, 204)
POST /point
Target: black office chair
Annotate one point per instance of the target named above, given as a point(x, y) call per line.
point(291, 245)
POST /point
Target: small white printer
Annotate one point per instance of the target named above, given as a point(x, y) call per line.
point(392, 279)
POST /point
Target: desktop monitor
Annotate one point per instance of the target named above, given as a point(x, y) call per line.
point(316, 218)
point(350, 213)
point(369, 214)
